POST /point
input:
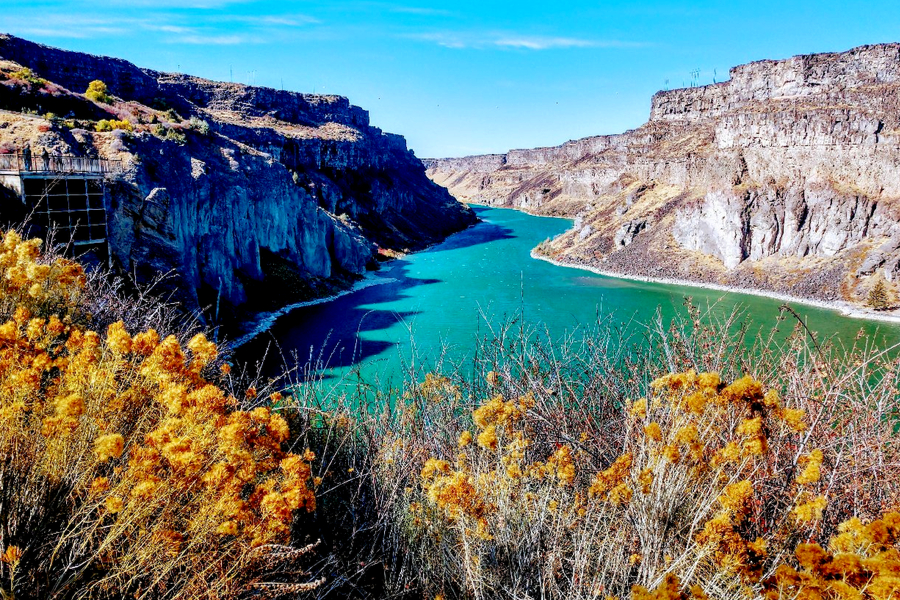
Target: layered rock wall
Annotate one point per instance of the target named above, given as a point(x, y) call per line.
point(818, 76)
point(789, 167)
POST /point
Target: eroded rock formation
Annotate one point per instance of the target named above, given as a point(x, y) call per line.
point(784, 178)
point(249, 197)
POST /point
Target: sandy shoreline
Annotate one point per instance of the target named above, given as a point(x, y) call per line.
point(844, 308)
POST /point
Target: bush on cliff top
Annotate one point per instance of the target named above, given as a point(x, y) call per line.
point(113, 124)
point(28, 76)
point(98, 92)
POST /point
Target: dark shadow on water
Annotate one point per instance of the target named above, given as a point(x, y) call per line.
point(328, 334)
point(480, 233)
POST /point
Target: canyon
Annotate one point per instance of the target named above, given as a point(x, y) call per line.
point(783, 179)
point(232, 199)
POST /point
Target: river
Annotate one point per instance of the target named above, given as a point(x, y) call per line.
point(440, 299)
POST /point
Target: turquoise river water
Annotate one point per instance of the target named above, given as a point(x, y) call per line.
point(442, 297)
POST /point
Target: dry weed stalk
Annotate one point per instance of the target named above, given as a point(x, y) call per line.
point(562, 487)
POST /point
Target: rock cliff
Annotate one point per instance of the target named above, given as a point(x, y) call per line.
point(248, 197)
point(784, 178)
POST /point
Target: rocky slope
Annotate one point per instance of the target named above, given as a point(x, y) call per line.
point(784, 178)
point(248, 197)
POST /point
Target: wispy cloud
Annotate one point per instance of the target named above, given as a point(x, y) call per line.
point(511, 41)
point(64, 32)
point(416, 10)
point(229, 30)
point(73, 26)
point(173, 26)
point(380, 7)
point(296, 21)
point(448, 40)
point(179, 29)
point(288, 20)
point(544, 43)
point(176, 4)
point(216, 40)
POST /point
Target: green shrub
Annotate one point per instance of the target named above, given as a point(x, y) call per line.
point(159, 104)
point(169, 133)
point(112, 124)
point(53, 118)
point(173, 135)
point(879, 298)
point(98, 92)
point(199, 125)
point(27, 75)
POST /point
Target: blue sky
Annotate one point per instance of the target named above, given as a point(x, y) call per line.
point(464, 77)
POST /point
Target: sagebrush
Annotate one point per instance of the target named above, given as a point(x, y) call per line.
point(680, 460)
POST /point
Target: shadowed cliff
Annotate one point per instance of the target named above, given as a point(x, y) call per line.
point(250, 198)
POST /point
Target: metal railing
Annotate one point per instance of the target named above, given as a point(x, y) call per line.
point(42, 163)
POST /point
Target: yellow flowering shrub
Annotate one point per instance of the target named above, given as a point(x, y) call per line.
point(43, 287)
point(862, 562)
point(98, 92)
point(669, 589)
point(495, 498)
point(701, 493)
point(437, 389)
point(702, 453)
point(124, 470)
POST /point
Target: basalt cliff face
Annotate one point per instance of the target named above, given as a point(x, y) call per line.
point(784, 178)
point(248, 197)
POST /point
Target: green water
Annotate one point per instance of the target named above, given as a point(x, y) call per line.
point(443, 297)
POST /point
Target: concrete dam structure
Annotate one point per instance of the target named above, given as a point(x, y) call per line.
point(65, 195)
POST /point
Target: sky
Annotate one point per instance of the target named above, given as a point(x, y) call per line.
point(464, 77)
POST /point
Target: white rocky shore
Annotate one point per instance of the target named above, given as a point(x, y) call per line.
point(845, 308)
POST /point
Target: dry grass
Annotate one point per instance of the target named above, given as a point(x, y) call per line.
point(582, 469)
point(655, 460)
